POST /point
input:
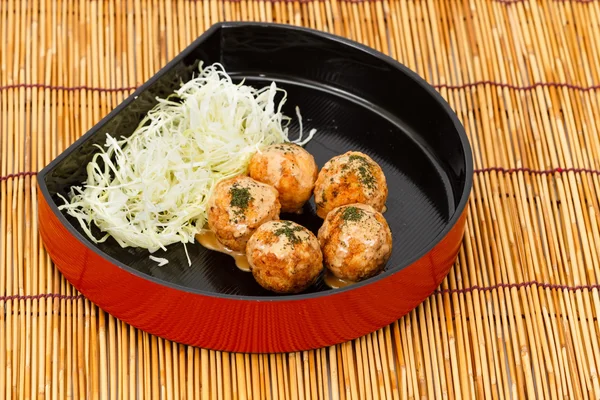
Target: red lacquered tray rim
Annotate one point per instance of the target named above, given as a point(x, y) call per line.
point(244, 326)
point(452, 221)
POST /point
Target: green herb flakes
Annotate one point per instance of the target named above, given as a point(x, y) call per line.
point(289, 230)
point(352, 214)
point(240, 197)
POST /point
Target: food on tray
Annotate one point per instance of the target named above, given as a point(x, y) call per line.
point(151, 189)
point(284, 257)
point(356, 242)
point(185, 168)
point(352, 177)
point(290, 169)
point(237, 207)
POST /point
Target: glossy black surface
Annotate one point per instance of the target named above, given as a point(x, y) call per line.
point(356, 99)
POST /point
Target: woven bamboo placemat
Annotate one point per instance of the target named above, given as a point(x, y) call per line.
point(516, 317)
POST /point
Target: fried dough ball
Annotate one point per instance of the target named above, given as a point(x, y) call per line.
point(356, 242)
point(350, 178)
point(237, 207)
point(290, 169)
point(284, 257)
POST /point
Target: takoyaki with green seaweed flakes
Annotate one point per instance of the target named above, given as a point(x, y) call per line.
point(288, 168)
point(237, 207)
point(352, 177)
point(284, 257)
point(356, 242)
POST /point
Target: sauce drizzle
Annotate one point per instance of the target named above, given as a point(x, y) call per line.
point(208, 239)
point(334, 282)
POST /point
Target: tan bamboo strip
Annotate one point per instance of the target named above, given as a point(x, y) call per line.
point(224, 391)
point(65, 360)
point(9, 249)
point(26, 336)
point(244, 376)
point(406, 334)
point(370, 373)
point(234, 385)
point(253, 12)
point(310, 386)
point(142, 362)
point(317, 374)
point(286, 375)
point(297, 386)
point(61, 378)
point(188, 379)
point(5, 52)
point(122, 358)
point(179, 359)
point(38, 57)
point(360, 373)
point(173, 368)
point(179, 390)
point(153, 39)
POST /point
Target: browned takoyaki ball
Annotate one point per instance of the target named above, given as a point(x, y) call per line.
point(356, 242)
point(237, 207)
point(350, 178)
point(284, 257)
point(288, 168)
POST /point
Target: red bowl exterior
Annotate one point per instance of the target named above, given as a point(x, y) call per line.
point(241, 325)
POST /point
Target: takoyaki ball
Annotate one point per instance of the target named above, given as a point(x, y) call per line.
point(237, 207)
point(284, 257)
point(290, 169)
point(350, 178)
point(356, 242)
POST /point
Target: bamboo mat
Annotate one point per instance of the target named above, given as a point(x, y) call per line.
point(517, 315)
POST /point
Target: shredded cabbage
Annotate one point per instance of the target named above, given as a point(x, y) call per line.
point(161, 261)
point(150, 190)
